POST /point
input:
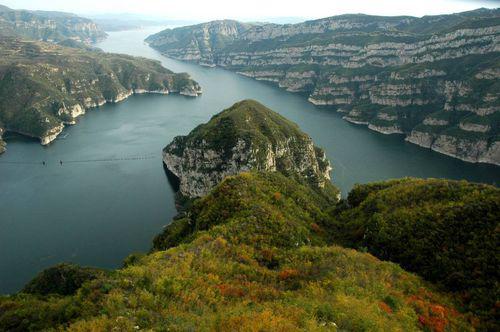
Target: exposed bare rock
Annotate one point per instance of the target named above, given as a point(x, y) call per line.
point(435, 122)
point(247, 136)
point(423, 139)
point(433, 71)
point(474, 127)
point(387, 130)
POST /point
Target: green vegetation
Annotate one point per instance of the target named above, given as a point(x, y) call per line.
point(246, 136)
point(446, 231)
point(372, 64)
point(257, 257)
point(250, 121)
point(289, 209)
point(76, 44)
point(43, 85)
point(62, 279)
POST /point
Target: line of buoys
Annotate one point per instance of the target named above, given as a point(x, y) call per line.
point(22, 162)
point(110, 159)
point(61, 162)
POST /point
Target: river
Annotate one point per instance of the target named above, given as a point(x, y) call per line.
point(97, 212)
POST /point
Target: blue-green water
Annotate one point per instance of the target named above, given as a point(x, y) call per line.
point(96, 213)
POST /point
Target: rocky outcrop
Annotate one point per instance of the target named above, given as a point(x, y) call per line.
point(467, 150)
point(492, 154)
point(47, 86)
point(2, 143)
point(476, 149)
point(71, 112)
point(474, 127)
point(420, 138)
point(51, 134)
point(247, 136)
point(387, 130)
point(199, 42)
point(412, 68)
point(191, 91)
point(430, 121)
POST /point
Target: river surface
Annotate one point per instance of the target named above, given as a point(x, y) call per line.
point(97, 212)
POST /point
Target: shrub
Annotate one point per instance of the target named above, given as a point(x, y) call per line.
point(62, 279)
point(446, 231)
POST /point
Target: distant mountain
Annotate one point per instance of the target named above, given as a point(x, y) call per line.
point(48, 26)
point(201, 42)
point(126, 21)
point(123, 25)
point(434, 79)
point(44, 86)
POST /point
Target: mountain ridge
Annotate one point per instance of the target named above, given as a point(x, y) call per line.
point(44, 86)
point(48, 25)
point(396, 75)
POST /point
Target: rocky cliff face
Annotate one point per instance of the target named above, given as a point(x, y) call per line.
point(48, 26)
point(200, 42)
point(44, 86)
point(247, 136)
point(434, 76)
point(2, 143)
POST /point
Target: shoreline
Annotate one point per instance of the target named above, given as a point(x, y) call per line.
point(320, 103)
point(53, 133)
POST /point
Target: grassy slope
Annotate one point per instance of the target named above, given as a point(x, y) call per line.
point(447, 231)
point(248, 120)
point(257, 258)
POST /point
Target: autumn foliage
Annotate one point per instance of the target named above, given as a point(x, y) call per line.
point(236, 262)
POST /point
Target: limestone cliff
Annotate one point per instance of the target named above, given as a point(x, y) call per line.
point(44, 86)
point(393, 74)
point(200, 42)
point(2, 143)
point(246, 136)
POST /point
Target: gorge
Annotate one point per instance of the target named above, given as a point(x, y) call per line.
point(433, 79)
point(250, 207)
point(79, 210)
point(270, 249)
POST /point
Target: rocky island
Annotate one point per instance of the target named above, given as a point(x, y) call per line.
point(44, 86)
point(433, 79)
point(48, 26)
point(247, 136)
point(273, 252)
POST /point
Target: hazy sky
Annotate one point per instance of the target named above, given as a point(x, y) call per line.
point(253, 9)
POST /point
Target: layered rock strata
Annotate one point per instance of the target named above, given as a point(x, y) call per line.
point(435, 77)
